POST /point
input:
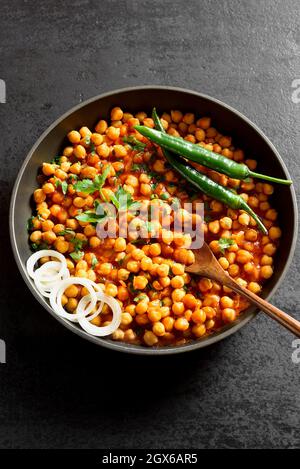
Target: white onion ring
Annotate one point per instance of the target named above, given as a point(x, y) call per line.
point(58, 290)
point(46, 287)
point(52, 279)
point(53, 268)
point(102, 331)
point(44, 253)
point(83, 303)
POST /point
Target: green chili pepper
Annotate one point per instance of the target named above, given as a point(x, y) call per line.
point(201, 155)
point(207, 185)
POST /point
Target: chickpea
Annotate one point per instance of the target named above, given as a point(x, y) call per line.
point(105, 268)
point(71, 304)
point(39, 196)
point(223, 262)
point(199, 330)
point(111, 289)
point(48, 169)
point(200, 135)
point(36, 236)
point(254, 287)
point(118, 335)
point(243, 256)
point(133, 266)
point(159, 329)
point(188, 118)
point(72, 291)
point(116, 114)
point(214, 226)
point(139, 282)
point(146, 263)
point(244, 219)
point(163, 270)
point(150, 338)
point(267, 189)
point(176, 116)
point(120, 245)
point(74, 136)
point(178, 308)
point(61, 246)
point(199, 316)
point(138, 254)
point(233, 270)
point(266, 271)
point(154, 249)
point(80, 152)
point(226, 223)
point(177, 269)
point(49, 237)
point(274, 232)
point(168, 322)
point(269, 249)
point(103, 150)
point(189, 301)
point(204, 123)
point(94, 242)
point(178, 295)
point(266, 260)
point(113, 133)
point(226, 302)
point(145, 189)
point(205, 284)
point(126, 319)
point(101, 127)
point(228, 315)
point(154, 315)
point(47, 225)
point(141, 307)
point(181, 324)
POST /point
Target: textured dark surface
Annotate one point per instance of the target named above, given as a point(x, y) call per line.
point(58, 391)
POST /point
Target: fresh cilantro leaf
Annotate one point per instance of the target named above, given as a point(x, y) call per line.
point(73, 177)
point(140, 297)
point(66, 231)
point(78, 243)
point(91, 217)
point(225, 243)
point(29, 224)
point(38, 247)
point(62, 184)
point(123, 200)
point(56, 160)
point(134, 143)
point(77, 255)
point(94, 262)
point(165, 196)
point(87, 140)
point(89, 186)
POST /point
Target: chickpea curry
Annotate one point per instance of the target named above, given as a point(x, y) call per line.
point(160, 303)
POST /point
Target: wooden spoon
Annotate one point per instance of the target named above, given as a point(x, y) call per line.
point(207, 266)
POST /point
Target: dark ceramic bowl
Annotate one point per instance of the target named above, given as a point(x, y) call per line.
point(143, 98)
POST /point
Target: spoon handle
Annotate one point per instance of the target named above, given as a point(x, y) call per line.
point(275, 313)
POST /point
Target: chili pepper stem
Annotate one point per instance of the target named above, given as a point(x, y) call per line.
point(287, 182)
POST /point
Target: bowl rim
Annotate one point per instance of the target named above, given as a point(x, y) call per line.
point(122, 346)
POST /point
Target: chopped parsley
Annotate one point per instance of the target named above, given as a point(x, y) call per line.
point(134, 143)
point(77, 255)
point(225, 243)
point(123, 200)
point(89, 186)
point(62, 184)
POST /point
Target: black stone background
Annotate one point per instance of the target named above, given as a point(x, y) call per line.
point(56, 390)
